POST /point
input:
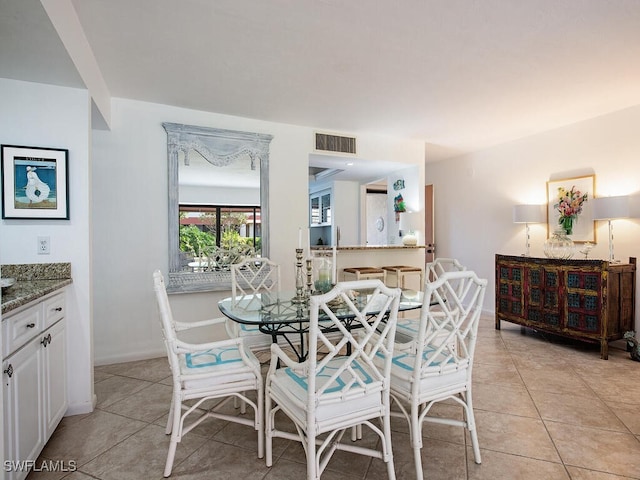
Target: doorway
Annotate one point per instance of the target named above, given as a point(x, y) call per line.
point(429, 234)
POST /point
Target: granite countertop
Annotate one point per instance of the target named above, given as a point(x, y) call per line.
point(33, 281)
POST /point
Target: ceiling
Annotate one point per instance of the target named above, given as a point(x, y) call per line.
point(460, 75)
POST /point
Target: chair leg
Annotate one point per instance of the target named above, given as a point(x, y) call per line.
point(313, 463)
point(471, 426)
point(268, 430)
point(259, 418)
point(416, 441)
point(170, 456)
point(418, 462)
point(168, 429)
point(387, 446)
point(173, 425)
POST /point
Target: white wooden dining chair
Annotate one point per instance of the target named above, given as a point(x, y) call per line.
point(221, 370)
point(437, 365)
point(408, 326)
point(331, 393)
point(250, 278)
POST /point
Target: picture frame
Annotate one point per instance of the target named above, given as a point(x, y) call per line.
point(584, 224)
point(35, 183)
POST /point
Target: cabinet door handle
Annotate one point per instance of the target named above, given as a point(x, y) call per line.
point(58, 309)
point(9, 370)
point(46, 340)
point(31, 325)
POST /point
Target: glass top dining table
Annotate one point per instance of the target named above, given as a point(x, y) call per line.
point(277, 314)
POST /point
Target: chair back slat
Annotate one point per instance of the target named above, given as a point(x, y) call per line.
point(373, 309)
point(449, 322)
point(252, 276)
point(440, 266)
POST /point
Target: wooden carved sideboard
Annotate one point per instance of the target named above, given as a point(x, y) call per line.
point(587, 300)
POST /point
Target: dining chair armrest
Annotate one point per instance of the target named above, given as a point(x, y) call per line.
point(181, 326)
point(185, 347)
point(279, 357)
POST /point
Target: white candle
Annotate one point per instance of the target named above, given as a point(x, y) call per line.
point(300, 237)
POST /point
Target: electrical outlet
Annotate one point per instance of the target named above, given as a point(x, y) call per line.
point(43, 245)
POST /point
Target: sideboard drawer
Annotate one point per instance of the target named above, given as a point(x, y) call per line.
point(54, 309)
point(18, 329)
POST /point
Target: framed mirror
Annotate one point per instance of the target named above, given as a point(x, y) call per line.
point(204, 162)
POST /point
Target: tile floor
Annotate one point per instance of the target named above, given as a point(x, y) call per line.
point(545, 408)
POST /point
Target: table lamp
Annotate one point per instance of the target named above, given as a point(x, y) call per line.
point(610, 208)
point(528, 214)
point(408, 223)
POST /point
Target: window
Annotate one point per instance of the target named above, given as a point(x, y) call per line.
point(205, 226)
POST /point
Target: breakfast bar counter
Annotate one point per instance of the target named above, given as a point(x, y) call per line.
point(376, 256)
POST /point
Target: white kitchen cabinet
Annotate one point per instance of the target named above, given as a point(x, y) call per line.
point(321, 218)
point(34, 379)
point(320, 208)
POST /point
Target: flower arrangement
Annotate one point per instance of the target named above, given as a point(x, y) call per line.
point(569, 206)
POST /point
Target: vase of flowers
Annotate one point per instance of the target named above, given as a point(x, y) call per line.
point(569, 206)
point(559, 245)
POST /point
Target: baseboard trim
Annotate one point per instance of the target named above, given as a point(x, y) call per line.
point(131, 356)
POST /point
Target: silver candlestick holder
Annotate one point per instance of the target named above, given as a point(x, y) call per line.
point(302, 295)
point(309, 276)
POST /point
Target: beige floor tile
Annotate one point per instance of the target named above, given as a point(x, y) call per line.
point(616, 389)
point(582, 474)
point(45, 469)
point(628, 413)
point(100, 375)
point(502, 466)
point(147, 404)
point(555, 380)
point(84, 440)
point(73, 476)
point(239, 435)
point(219, 461)
point(594, 449)
point(529, 391)
point(447, 433)
point(285, 469)
point(491, 354)
point(340, 461)
point(142, 455)
point(116, 388)
point(440, 460)
point(515, 435)
point(511, 399)
point(152, 370)
point(496, 374)
point(575, 409)
point(207, 429)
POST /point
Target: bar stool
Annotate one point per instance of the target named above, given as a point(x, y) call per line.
point(399, 272)
point(365, 273)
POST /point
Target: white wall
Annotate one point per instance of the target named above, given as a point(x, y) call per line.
point(475, 194)
point(412, 193)
point(130, 211)
point(48, 116)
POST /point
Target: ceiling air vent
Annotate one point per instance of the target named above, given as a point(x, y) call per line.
point(335, 143)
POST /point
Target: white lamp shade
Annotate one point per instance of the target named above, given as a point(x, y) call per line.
point(606, 208)
point(529, 214)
